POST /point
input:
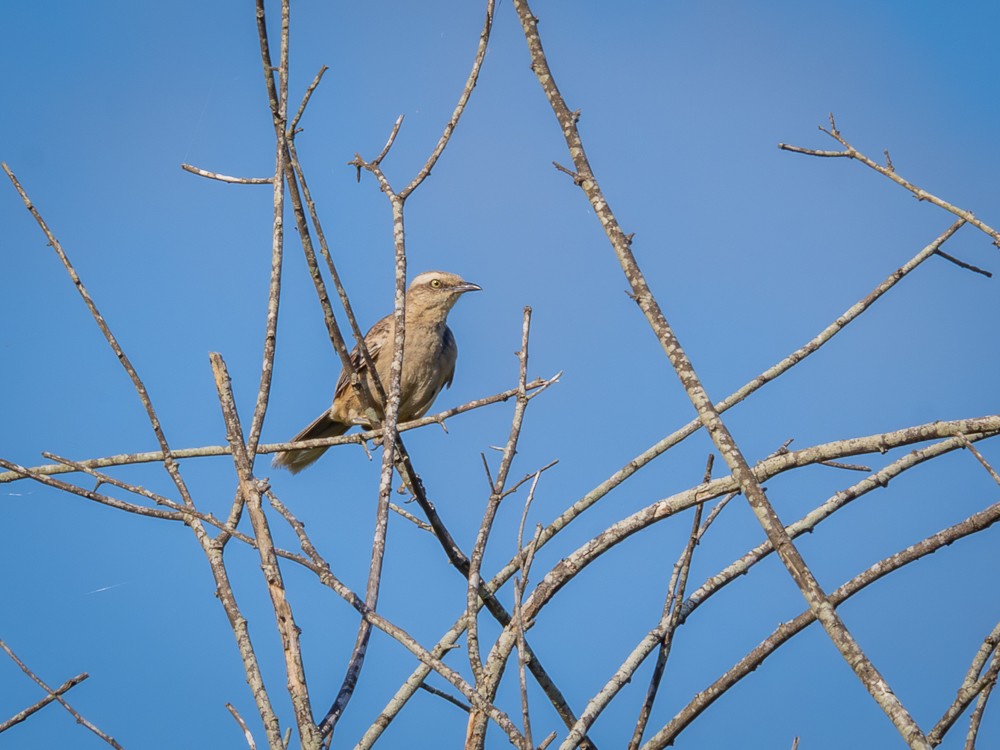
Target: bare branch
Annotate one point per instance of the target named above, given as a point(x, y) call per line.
point(227, 178)
point(811, 520)
point(890, 172)
point(278, 101)
point(389, 141)
point(538, 385)
point(569, 567)
point(972, 686)
point(984, 695)
point(246, 732)
point(431, 658)
point(973, 524)
point(252, 490)
point(168, 461)
point(98, 497)
point(630, 468)
point(493, 505)
point(979, 457)
point(293, 126)
point(963, 264)
point(57, 696)
point(463, 100)
point(62, 689)
point(423, 526)
point(520, 583)
point(709, 416)
point(672, 609)
point(450, 698)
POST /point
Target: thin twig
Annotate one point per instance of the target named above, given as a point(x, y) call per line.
point(227, 178)
point(984, 695)
point(359, 384)
point(294, 124)
point(979, 457)
point(252, 492)
point(181, 512)
point(411, 518)
point(392, 449)
point(972, 686)
point(168, 461)
point(797, 568)
point(73, 712)
point(62, 689)
point(520, 583)
point(389, 141)
point(446, 696)
point(359, 438)
point(25, 473)
point(294, 177)
point(278, 101)
point(847, 467)
point(672, 611)
point(890, 171)
point(493, 505)
point(463, 100)
point(963, 264)
point(239, 720)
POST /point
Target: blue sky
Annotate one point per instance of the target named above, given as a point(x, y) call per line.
point(750, 250)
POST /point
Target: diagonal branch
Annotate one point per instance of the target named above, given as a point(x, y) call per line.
point(589, 551)
point(984, 695)
point(39, 705)
point(251, 491)
point(168, 460)
point(889, 171)
point(463, 100)
point(972, 686)
point(493, 505)
point(778, 369)
point(430, 658)
point(57, 695)
point(971, 525)
point(709, 416)
point(278, 102)
point(227, 178)
point(672, 609)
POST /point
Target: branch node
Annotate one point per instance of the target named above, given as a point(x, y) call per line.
point(577, 180)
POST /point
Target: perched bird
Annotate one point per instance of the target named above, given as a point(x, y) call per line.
point(429, 354)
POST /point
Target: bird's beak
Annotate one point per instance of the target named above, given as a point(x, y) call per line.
point(467, 286)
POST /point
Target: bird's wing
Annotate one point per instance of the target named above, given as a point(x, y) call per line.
point(374, 341)
point(449, 355)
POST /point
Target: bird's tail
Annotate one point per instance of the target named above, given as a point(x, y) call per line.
point(324, 426)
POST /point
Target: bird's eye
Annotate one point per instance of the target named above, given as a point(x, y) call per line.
point(435, 283)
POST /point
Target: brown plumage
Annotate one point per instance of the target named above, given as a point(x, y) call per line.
point(429, 354)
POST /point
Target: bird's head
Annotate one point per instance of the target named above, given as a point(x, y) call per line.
point(438, 289)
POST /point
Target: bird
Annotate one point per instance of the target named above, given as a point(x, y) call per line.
point(429, 355)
